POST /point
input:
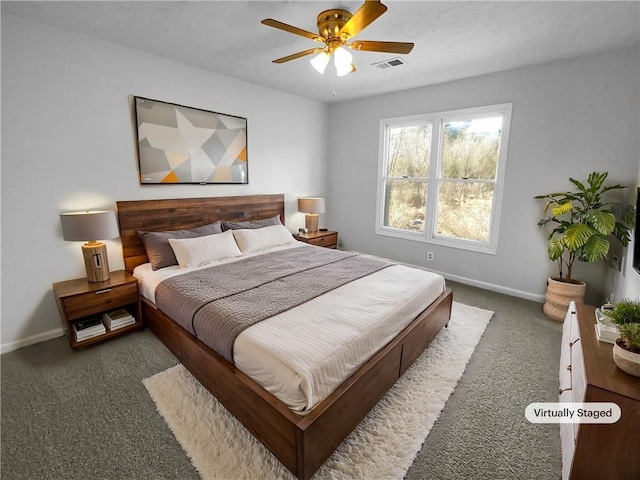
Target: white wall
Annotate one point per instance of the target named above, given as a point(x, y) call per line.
point(626, 284)
point(68, 143)
point(569, 118)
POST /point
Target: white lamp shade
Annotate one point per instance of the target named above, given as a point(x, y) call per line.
point(320, 62)
point(342, 60)
point(311, 205)
point(91, 225)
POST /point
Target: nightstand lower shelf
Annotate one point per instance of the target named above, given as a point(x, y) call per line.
point(75, 344)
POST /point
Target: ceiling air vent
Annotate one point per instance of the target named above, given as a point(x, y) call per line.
point(393, 62)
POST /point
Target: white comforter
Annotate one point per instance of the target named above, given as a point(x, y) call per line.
point(303, 354)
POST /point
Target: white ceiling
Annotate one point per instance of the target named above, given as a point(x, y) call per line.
point(453, 39)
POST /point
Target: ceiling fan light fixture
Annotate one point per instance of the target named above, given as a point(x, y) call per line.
point(342, 60)
point(320, 62)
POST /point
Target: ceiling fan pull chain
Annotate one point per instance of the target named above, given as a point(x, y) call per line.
point(332, 84)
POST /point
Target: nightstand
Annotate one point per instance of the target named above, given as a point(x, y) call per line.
point(326, 239)
point(80, 300)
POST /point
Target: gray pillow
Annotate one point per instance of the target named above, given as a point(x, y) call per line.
point(159, 250)
point(249, 224)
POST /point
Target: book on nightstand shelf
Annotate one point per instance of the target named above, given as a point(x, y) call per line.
point(88, 328)
point(605, 330)
point(118, 319)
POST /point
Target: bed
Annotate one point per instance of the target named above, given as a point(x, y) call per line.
point(300, 442)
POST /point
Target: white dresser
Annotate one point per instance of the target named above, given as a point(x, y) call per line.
point(588, 374)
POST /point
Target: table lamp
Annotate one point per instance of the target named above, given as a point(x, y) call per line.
point(312, 206)
point(89, 227)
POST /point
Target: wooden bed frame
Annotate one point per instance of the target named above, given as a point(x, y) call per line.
point(301, 443)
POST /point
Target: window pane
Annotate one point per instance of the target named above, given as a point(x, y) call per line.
point(464, 210)
point(409, 151)
point(470, 148)
point(405, 204)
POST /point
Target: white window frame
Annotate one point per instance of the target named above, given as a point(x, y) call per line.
point(437, 120)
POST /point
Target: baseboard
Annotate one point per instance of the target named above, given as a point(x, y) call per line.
point(496, 288)
point(40, 337)
point(485, 285)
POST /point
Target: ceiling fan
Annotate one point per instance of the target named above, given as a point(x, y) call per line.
point(336, 27)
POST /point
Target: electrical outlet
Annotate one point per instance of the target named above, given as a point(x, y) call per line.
point(430, 256)
point(615, 262)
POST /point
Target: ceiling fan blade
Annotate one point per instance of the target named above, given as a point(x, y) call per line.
point(291, 29)
point(388, 47)
point(365, 15)
point(298, 55)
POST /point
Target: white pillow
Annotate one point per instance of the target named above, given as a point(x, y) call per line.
point(255, 239)
point(193, 252)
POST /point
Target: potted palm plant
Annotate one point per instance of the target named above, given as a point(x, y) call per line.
point(626, 350)
point(581, 222)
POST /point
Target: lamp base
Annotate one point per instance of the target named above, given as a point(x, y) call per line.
point(311, 222)
point(95, 261)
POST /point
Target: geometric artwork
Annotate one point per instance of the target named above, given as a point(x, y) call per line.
point(178, 144)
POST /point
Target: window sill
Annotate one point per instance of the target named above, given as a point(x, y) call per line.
point(469, 245)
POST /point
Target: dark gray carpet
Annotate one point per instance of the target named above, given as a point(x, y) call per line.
point(482, 432)
point(86, 414)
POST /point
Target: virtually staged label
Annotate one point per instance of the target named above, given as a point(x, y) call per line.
point(590, 412)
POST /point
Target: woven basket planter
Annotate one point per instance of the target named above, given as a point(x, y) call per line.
point(560, 295)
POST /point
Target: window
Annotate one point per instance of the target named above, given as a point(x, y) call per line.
point(441, 176)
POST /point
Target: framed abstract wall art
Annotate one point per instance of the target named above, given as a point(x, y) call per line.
point(178, 144)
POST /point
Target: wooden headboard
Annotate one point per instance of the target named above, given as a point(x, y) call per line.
point(184, 213)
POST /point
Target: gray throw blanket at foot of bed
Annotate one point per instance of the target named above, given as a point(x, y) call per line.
point(217, 303)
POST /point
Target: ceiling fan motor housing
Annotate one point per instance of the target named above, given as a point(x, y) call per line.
point(330, 22)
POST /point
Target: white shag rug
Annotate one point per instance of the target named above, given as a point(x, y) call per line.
point(383, 445)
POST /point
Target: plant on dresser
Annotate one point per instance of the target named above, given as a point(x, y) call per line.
point(626, 351)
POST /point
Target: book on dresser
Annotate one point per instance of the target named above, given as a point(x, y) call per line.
point(605, 330)
point(118, 319)
point(88, 328)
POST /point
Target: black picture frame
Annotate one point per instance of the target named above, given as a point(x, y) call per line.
point(177, 144)
point(636, 235)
